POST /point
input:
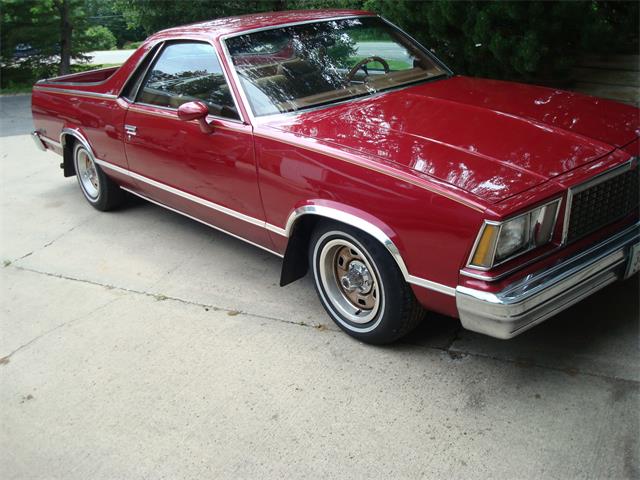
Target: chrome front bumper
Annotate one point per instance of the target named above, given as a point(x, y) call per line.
point(543, 294)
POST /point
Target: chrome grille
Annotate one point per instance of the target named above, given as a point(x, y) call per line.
point(602, 203)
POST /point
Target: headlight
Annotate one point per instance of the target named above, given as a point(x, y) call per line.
point(501, 241)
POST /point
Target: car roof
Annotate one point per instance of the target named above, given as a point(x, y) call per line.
point(230, 25)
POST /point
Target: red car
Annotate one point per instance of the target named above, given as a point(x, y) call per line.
point(334, 140)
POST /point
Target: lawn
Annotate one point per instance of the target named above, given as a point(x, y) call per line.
point(393, 64)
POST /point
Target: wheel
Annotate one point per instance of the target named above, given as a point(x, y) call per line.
point(99, 190)
point(360, 285)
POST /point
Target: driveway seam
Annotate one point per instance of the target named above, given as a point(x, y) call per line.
point(447, 349)
point(159, 296)
point(51, 242)
point(4, 360)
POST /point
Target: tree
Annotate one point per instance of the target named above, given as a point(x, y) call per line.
point(105, 14)
point(520, 40)
point(50, 32)
point(154, 15)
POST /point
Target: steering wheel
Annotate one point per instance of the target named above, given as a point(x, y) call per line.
point(363, 64)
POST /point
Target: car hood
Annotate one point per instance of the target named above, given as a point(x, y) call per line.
point(490, 138)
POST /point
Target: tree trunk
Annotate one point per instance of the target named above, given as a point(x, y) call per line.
point(65, 37)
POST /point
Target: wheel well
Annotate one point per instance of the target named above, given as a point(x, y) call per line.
point(68, 168)
point(296, 263)
point(296, 260)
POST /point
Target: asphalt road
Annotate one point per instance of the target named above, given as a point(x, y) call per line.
point(15, 115)
point(140, 344)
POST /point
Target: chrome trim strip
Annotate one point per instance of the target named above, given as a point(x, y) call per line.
point(437, 287)
point(185, 195)
point(38, 138)
point(202, 222)
point(375, 232)
point(277, 230)
point(57, 80)
point(38, 141)
point(601, 177)
point(323, 211)
point(79, 93)
point(76, 133)
point(50, 141)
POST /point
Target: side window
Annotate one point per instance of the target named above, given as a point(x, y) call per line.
point(133, 84)
point(185, 72)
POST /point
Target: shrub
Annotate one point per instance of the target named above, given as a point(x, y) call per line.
point(100, 38)
point(132, 45)
point(520, 40)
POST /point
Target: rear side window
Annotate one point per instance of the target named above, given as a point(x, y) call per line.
point(133, 84)
point(185, 72)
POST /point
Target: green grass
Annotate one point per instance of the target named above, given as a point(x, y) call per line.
point(14, 89)
point(132, 45)
point(393, 64)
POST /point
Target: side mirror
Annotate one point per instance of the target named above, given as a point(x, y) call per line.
point(196, 111)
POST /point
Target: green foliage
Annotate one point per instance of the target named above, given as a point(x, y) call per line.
point(100, 38)
point(510, 39)
point(106, 13)
point(20, 80)
point(31, 34)
point(132, 45)
point(154, 15)
point(507, 39)
point(521, 40)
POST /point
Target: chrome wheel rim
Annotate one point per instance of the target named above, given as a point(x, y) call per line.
point(349, 280)
point(87, 174)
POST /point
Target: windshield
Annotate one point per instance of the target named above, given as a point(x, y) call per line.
point(302, 66)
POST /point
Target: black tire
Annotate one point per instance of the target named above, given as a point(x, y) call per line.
point(100, 191)
point(397, 312)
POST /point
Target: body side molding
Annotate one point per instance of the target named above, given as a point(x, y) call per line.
point(318, 210)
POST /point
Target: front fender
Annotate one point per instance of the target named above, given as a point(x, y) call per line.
point(295, 264)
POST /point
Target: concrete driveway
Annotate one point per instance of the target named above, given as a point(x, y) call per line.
point(140, 344)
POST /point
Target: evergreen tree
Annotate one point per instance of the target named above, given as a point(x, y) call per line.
point(38, 35)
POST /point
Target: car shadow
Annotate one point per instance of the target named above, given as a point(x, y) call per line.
point(598, 335)
point(600, 332)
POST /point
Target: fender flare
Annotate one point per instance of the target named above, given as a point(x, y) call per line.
point(67, 164)
point(74, 132)
point(340, 214)
point(291, 266)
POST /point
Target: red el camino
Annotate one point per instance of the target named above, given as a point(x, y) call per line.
point(334, 140)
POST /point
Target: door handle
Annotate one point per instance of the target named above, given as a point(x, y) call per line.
point(130, 130)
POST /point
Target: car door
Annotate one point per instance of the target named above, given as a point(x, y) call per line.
point(209, 176)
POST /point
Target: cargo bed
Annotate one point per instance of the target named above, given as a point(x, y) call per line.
point(91, 77)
